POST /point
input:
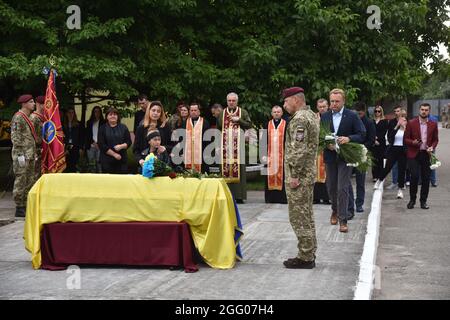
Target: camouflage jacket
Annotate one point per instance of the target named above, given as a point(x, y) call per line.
point(38, 123)
point(302, 140)
point(22, 138)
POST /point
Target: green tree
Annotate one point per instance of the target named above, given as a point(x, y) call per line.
point(202, 49)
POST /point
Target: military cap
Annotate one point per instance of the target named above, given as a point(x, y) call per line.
point(291, 91)
point(24, 98)
point(40, 99)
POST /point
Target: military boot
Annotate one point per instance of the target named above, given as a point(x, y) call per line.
point(297, 263)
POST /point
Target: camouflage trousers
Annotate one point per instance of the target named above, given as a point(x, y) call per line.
point(301, 217)
point(23, 181)
point(37, 166)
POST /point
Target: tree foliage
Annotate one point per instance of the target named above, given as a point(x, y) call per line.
point(202, 49)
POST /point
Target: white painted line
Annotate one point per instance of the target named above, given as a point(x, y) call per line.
point(368, 268)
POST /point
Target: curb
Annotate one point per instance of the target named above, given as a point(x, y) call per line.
point(368, 269)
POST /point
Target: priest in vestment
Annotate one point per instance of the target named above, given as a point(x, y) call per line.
point(320, 188)
point(274, 191)
point(231, 121)
point(195, 144)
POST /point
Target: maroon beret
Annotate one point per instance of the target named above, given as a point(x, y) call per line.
point(24, 98)
point(40, 99)
point(291, 91)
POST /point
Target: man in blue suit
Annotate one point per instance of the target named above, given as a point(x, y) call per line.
point(348, 127)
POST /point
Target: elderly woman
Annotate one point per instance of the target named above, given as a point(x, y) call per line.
point(154, 118)
point(113, 140)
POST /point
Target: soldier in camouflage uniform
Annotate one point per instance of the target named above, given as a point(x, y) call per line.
point(302, 140)
point(37, 118)
point(23, 137)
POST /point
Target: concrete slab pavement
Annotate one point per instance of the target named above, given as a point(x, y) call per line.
point(413, 253)
point(268, 240)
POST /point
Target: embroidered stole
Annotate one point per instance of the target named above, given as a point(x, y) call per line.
point(30, 124)
point(275, 166)
point(230, 147)
point(193, 150)
point(321, 172)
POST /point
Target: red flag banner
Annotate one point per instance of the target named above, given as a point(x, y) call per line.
point(53, 158)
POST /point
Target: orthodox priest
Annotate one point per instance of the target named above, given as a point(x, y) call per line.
point(232, 121)
point(195, 144)
point(275, 191)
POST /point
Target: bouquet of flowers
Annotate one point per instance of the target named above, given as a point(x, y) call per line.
point(435, 163)
point(153, 167)
point(355, 154)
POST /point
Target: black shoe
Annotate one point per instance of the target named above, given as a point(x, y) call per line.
point(240, 201)
point(424, 205)
point(326, 202)
point(20, 212)
point(411, 204)
point(359, 209)
point(316, 201)
point(351, 215)
point(434, 185)
point(297, 263)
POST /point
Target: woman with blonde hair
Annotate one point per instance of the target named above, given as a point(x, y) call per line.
point(396, 152)
point(154, 119)
point(379, 148)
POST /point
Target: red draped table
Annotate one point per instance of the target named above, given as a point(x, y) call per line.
point(127, 243)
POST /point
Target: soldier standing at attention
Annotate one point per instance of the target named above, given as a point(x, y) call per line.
point(302, 140)
point(38, 119)
point(23, 137)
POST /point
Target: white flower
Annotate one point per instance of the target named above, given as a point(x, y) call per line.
point(438, 163)
point(353, 164)
point(433, 167)
point(329, 138)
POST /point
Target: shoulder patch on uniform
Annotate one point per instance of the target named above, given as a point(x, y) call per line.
point(300, 133)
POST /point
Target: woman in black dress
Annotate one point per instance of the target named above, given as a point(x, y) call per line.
point(114, 140)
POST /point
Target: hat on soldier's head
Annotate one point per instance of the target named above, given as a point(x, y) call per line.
point(24, 98)
point(291, 91)
point(40, 99)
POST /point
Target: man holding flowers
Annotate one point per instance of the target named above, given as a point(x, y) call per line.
point(347, 127)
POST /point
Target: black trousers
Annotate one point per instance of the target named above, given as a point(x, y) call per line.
point(420, 167)
point(378, 161)
point(114, 167)
point(396, 154)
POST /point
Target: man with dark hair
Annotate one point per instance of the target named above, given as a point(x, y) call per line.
point(369, 141)
point(139, 115)
point(421, 138)
point(195, 129)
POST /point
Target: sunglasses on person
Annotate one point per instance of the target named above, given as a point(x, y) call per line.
point(377, 111)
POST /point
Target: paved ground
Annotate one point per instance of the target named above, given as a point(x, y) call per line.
point(268, 241)
point(413, 252)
